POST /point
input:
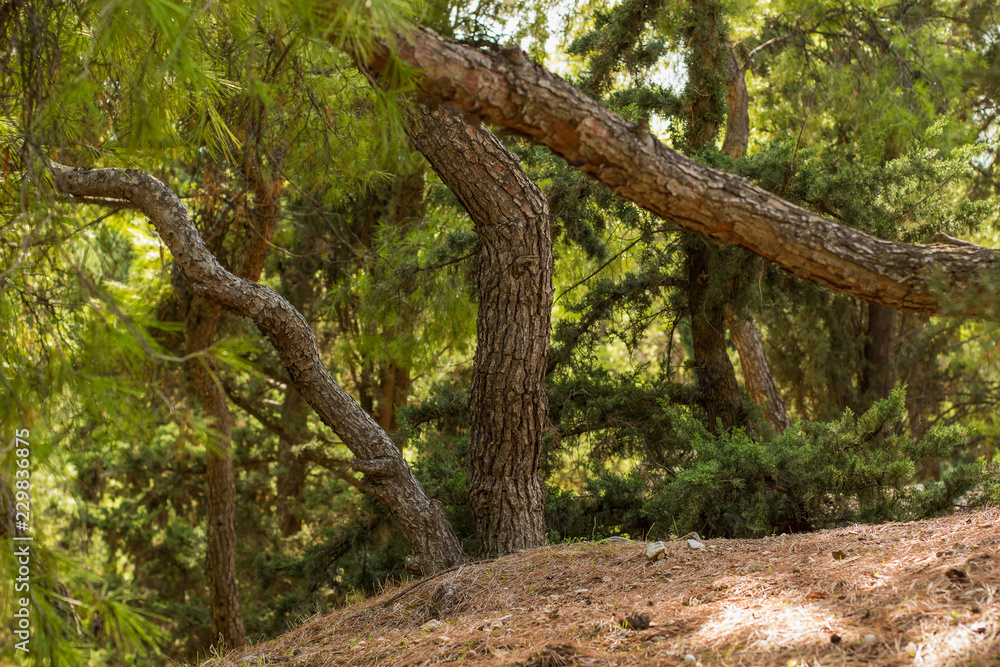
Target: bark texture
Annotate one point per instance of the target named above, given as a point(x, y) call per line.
point(738, 106)
point(756, 369)
point(506, 88)
point(387, 479)
point(507, 400)
point(742, 329)
point(220, 513)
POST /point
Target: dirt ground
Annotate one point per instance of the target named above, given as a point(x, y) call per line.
point(923, 593)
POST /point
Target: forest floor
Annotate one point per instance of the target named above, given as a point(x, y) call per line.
point(922, 593)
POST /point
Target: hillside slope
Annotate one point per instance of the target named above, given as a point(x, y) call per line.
point(922, 593)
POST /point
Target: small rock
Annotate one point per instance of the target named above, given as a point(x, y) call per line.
point(692, 536)
point(695, 544)
point(690, 658)
point(869, 639)
point(432, 625)
point(656, 551)
point(442, 639)
point(581, 591)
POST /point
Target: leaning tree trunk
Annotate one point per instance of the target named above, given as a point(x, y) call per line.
point(507, 400)
point(506, 88)
point(756, 369)
point(387, 477)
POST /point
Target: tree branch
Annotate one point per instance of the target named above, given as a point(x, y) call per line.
point(423, 522)
point(509, 90)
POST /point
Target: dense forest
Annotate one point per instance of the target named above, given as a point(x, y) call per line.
point(299, 298)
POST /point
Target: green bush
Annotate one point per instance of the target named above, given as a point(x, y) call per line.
point(814, 476)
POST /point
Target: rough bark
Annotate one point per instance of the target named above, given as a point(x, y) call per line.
point(738, 106)
point(507, 400)
point(704, 37)
point(201, 324)
point(220, 513)
point(387, 479)
point(507, 89)
point(876, 378)
point(756, 369)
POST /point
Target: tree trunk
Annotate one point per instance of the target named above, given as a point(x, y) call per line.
point(756, 369)
point(506, 88)
point(705, 90)
point(202, 322)
point(395, 390)
point(387, 477)
point(738, 107)
point(718, 391)
point(220, 513)
point(507, 400)
point(877, 378)
point(292, 468)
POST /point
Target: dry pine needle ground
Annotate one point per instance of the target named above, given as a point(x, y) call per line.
point(923, 593)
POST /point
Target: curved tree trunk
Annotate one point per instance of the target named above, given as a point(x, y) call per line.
point(387, 477)
point(506, 88)
point(507, 400)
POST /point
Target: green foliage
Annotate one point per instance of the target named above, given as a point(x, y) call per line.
point(816, 475)
point(909, 198)
point(617, 42)
point(871, 125)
